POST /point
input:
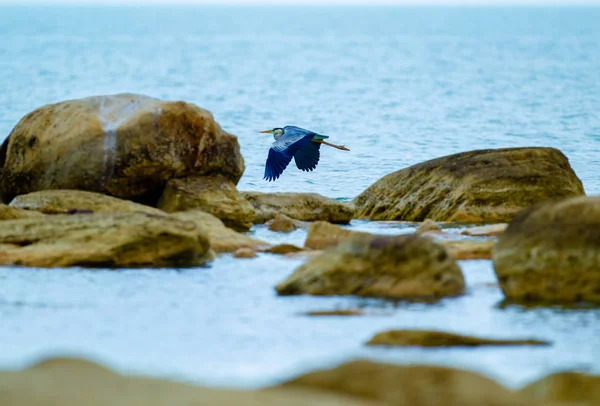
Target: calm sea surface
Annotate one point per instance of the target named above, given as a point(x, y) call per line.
point(395, 85)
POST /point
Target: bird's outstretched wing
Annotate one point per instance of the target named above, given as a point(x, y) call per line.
point(284, 149)
point(308, 156)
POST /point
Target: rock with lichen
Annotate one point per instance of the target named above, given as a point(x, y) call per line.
point(399, 267)
point(551, 252)
point(484, 186)
point(299, 206)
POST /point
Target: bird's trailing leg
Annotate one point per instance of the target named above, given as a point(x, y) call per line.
point(343, 148)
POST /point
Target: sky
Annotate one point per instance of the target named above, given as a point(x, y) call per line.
point(315, 2)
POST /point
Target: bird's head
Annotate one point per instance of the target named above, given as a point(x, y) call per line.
point(277, 132)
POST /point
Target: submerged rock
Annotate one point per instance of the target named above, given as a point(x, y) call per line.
point(284, 249)
point(13, 213)
point(222, 239)
point(413, 385)
point(566, 388)
point(484, 186)
point(124, 145)
point(106, 240)
point(299, 206)
point(335, 313)
point(399, 267)
point(486, 231)
point(216, 195)
point(551, 252)
point(423, 338)
point(75, 201)
point(73, 382)
point(322, 235)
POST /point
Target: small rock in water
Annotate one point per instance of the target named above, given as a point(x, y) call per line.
point(423, 338)
point(336, 313)
point(283, 249)
point(322, 235)
point(244, 253)
point(400, 267)
point(551, 253)
point(282, 223)
point(428, 226)
point(486, 231)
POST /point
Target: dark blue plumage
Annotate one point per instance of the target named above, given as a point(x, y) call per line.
point(292, 142)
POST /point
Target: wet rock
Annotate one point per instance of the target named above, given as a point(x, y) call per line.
point(322, 235)
point(216, 195)
point(107, 240)
point(283, 224)
point(486, 231)
point(336, 313)
point(299, 206)
point(413, 385)
point(428, 226)
point(73, 382)
point(13, 213)
point(551, 253)
point(283, 249)
point(244, 253)
point(124, 145)
point(422, 338)
point(485, 186)
point(468, 249)
point(222, 239)
point(566, 388)
point(399, 267)
point(78, 202)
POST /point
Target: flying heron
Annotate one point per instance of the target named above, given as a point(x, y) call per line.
point(290, 141)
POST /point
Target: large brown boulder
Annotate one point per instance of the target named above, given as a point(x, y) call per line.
point(107, 240)
point(414, 385)
point(77, 201)
point(73, 382)
point(551, 252)
point(216, 195)
point(399, 267)
point(222, 239)
point(565, 388)
point(124, 145)
point(483, 186)
point(299, 206)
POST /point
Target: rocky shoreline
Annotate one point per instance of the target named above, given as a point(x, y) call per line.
point(127, 181)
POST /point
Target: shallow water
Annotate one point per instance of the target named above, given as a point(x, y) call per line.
point(397, 86)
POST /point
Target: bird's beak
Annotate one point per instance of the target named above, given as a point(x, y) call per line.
point(266, 131)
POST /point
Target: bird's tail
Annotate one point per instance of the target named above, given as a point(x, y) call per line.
point(320, 137)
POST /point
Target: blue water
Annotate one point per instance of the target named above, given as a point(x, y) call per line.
point(395, 85)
